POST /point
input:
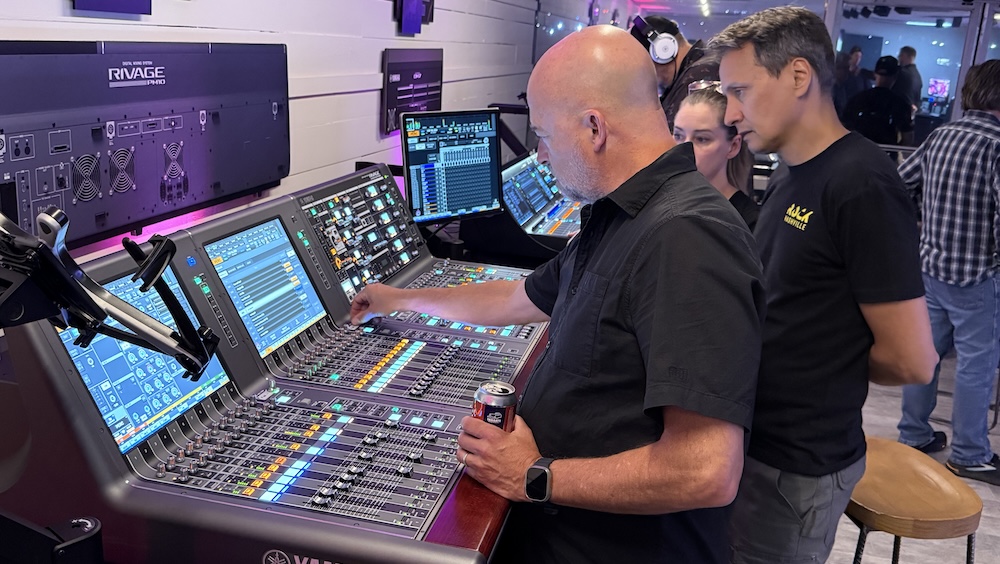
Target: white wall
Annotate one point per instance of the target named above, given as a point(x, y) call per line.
point(334, 59)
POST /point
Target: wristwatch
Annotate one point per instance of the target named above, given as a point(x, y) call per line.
point(538, 481)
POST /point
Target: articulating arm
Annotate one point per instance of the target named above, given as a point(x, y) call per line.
point(40, 280)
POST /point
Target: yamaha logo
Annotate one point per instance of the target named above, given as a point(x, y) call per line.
point(278, 557)
point(275, 557)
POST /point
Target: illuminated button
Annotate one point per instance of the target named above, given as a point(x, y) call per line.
point(438, 424)
point(416, 420)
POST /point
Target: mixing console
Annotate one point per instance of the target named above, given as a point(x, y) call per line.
point(562, 219)
point(302, 420)
point(363, 229)
point(348, 459)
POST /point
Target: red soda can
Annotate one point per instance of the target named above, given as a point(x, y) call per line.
point(496, 404)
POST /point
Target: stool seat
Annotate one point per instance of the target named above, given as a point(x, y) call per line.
point(909, 494)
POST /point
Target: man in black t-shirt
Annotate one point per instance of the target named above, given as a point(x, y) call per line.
point(636, 414)
point(879, 113)
point(845, 304)
point(909, 83)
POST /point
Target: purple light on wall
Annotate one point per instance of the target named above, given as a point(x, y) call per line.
point(120, 6)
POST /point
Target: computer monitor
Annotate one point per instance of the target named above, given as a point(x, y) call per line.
point(531, 193)
point(267, 283)
point(938, 87)
point(137, 390)
point(452, 164)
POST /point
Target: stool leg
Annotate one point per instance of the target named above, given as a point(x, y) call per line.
point(895, 549)
point(862, 537)
point(970, 551)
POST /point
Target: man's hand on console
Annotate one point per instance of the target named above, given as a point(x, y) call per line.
point(374, 300)
point(497, 459)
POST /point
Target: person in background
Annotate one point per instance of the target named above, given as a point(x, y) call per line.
point(880, 114)
point(909, 83)
point(634, 419)
point(719, 151)
point(686, 65)
point(838, 239)
point(955, 177)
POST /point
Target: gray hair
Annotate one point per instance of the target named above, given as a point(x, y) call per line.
point(779, 35)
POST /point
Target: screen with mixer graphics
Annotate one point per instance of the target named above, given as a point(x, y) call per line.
point(452, 164)
point(267, 283)
point(137, 390)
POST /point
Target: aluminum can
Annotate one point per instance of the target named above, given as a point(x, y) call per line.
point(496, 404)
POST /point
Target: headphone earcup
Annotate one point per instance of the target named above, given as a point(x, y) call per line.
point(663, 48)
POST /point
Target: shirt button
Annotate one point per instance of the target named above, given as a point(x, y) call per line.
point(573, 290)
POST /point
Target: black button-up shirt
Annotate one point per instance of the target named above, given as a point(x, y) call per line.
point(657, 302)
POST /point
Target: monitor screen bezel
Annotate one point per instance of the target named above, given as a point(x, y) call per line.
point(501, 207)
point(204, 245)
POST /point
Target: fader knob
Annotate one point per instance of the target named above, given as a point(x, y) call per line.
point(356, 470)
point(429, 437)
point(391, 424)
point(416, 393)
point(342, 486)
point(405, 470)
point(320, 500)
point(414, 456)
point(347, 477)
point(326, 492)
point(365, 455)
point(370, 440)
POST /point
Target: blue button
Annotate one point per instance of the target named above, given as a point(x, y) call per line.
point(437, 424)
point(191, 261)
point(416, 420)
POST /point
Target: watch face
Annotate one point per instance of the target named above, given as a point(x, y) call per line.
point(536, 485)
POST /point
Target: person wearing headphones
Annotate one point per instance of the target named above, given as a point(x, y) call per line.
point(678, 63)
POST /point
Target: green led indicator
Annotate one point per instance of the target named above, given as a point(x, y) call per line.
point(205, 289)
point(300, 234)
point(197, 280)
point(313, 210)
point(330, 205)
point(335, 376)
point(395, 410)
point(338, 406)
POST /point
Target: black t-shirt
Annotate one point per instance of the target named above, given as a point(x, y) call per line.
point(879, 114)
point(909, 84)
point(749, 210)
point(657, 302)
point(833, 232)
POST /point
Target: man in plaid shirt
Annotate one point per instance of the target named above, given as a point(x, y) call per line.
point(955, 177)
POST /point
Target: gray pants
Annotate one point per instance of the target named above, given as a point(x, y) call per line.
point(785, 518)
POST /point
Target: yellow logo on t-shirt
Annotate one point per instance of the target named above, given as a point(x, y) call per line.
point(797, 217)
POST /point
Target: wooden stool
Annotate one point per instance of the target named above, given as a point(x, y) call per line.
point(906, 493)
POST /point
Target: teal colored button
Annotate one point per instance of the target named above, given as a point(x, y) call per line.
point(416, 420)
point(437, 424)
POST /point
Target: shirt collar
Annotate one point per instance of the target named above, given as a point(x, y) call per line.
point(979, 114)
point(633, 194)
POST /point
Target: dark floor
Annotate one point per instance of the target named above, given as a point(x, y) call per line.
point(881, 414)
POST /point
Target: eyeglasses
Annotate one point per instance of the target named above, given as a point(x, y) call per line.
point(705, 84)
